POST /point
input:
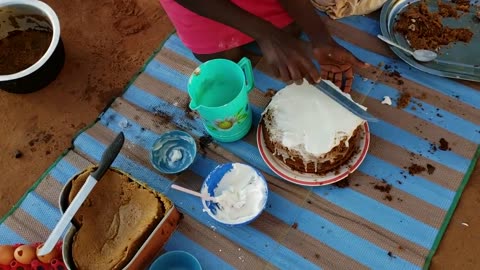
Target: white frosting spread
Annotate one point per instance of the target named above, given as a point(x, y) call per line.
point(241, 194)
point(175, 156)
point(309, 121)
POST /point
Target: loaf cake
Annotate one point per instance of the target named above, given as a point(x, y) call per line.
point(308, 131)
point(115, 220)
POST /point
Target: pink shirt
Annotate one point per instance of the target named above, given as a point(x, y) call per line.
point(205, 36)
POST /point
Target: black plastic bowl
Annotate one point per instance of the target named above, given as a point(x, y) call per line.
point(46, 69)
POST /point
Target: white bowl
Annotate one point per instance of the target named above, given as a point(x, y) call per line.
point(242, 191)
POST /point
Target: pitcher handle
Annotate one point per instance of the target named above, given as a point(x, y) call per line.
point(246, 66)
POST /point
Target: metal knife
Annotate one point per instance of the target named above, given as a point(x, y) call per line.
point(328, 88)
point(107, 159)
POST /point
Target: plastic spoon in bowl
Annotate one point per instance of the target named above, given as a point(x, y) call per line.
point(419, 55)
point(194, 193)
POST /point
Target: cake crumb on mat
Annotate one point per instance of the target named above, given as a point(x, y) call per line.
point(343, 183)
point(430, 168)
point(415, 169)
point(443, 145)
point(403, 100)
point(270, 93)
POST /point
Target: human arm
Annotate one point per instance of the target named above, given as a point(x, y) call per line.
point(336, 62)
point(283, 52)
point(229, 14)
point(309, 21)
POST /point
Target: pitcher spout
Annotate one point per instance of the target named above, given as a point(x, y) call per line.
point(193, 105)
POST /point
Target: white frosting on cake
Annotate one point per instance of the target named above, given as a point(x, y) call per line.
point(309, 121)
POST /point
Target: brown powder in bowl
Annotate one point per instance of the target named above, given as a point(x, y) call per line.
point(21, 49)
point(424, 29)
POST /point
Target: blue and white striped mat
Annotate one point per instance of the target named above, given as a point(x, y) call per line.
point(355, 227)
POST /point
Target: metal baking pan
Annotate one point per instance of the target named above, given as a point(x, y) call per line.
point(152, 246)
point(460, 61)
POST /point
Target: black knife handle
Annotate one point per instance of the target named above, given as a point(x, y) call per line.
point(109, 156)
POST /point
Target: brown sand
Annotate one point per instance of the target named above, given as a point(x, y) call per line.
point(102, 56)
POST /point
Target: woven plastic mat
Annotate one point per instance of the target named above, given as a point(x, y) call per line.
point(387, 217)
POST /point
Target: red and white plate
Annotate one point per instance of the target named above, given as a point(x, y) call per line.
point(309, 179)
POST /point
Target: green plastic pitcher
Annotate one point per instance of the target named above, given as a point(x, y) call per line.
point(218, 91)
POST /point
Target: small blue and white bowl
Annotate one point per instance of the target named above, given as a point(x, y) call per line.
point(173, 152)
point(241, 190)
point(176, 260)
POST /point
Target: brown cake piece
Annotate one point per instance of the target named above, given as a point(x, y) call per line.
point(462, 5)
point(115, 220)
point(425, 30)
point(308, 131)
point(445, 10)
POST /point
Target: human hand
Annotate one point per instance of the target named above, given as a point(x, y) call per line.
point(288, 58)
point(336, 63)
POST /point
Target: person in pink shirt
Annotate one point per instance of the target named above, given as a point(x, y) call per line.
point(220, 29)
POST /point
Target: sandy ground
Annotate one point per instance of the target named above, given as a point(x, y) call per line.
point(106, 43)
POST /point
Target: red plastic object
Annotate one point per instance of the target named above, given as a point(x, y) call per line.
point(38, 265)
point(5, 267)
point(59, 245)
point(19, 266)
point(35, 245)
point(58, 265)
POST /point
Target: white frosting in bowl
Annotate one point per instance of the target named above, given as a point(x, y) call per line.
point(241, 195)
point(309, 121)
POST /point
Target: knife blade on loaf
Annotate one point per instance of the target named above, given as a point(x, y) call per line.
point(107, 159)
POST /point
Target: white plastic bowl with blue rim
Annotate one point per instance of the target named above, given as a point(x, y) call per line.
point(173, 152)
point(213, 180)
point(176, 260)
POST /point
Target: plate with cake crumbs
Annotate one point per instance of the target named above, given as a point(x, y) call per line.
point(311, 179)
point(449, 27)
